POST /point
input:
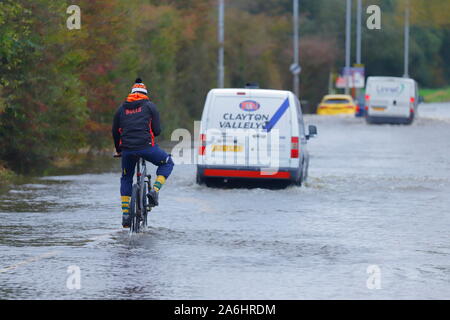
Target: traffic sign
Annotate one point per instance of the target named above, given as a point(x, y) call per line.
point(355, 77)
point(295, 69)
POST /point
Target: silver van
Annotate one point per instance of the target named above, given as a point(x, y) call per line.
point(391, 100)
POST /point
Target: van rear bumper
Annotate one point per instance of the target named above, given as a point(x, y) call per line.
point(290, 174)
point(388, 119)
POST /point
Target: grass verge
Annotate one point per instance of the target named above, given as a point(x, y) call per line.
point(436, 95)
point(6, 176)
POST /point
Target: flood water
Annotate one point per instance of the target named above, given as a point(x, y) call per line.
point(378, 198)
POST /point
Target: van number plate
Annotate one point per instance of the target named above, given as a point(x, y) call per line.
point(224, 148)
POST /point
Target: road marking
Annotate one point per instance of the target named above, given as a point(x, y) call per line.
point(45, 255)
point(30, 260)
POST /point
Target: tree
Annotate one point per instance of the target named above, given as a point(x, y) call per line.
point(44, 107)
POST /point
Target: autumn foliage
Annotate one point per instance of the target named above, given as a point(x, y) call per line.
point(59, 88)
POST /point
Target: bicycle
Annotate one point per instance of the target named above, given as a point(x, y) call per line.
point(139, 204)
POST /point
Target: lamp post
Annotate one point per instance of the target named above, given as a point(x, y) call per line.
point(348, 45)
point(406, 53)
point(295, 68)
point(358, 32)
point(358, 39)
point(221, 36)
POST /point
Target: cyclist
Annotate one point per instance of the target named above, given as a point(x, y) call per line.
point(135, 126)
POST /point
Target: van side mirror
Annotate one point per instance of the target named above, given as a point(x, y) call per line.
point(312, 132)
point(421, 99)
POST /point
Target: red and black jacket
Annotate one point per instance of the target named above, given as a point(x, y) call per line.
point(136, 123)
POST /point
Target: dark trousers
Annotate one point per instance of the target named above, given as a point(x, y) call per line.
point(154, 154)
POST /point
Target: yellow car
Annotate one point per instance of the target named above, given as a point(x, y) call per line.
point(337, 104)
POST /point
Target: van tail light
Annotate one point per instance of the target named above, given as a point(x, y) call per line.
point(411, 109)
point(366, 107)
point(294, 148)
point(202, 148)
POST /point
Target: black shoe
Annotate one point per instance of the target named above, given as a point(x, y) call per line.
point(153, 198)
point(126, 221)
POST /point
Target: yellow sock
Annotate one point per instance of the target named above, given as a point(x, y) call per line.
point(126, 204)
point(159, 182)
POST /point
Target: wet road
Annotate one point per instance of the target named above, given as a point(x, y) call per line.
point(377, 198)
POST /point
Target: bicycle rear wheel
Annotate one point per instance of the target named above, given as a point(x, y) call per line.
point(134, 217)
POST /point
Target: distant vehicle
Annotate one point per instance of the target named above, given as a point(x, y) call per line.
point(391, 100)
point(253, 134)
point(360, 106)
point(337, 104)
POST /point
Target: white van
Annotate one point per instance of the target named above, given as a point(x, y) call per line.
point(253, 134)
point(391, 100)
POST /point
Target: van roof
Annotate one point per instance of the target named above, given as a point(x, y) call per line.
point(389, 78)
point(251, 92)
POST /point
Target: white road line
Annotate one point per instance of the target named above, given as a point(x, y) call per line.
point(30, 260)
point(46, 255)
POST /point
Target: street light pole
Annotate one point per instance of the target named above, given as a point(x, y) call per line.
point(348, 45)
point(221, 35)
point(406, 59)
point(358, 32)
point(296, 48)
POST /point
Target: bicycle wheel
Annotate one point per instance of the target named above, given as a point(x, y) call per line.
point(134, 218)
point(144, 206)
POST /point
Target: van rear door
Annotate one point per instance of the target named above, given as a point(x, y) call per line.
point(389, 97)
point(225, 139)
